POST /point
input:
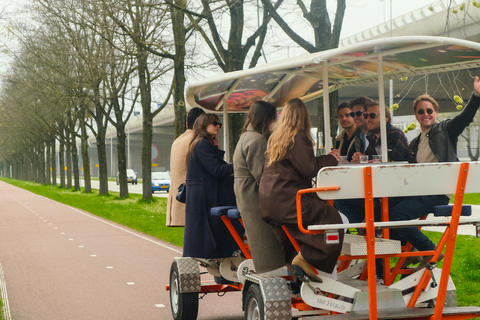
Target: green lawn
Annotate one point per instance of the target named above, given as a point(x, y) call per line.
point(149, 218)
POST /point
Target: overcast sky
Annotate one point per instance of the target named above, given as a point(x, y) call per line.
point(360, 15)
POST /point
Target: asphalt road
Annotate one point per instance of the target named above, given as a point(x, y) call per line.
point(59, 262)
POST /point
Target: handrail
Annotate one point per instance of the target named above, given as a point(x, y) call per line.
point(299, 206)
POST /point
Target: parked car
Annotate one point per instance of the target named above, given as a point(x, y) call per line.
point(131, 177)
point(160, 181)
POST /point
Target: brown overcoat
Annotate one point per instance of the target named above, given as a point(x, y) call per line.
point(178, 172)
point(278, 188)
point(248, 161)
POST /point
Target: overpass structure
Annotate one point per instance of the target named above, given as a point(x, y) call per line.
point(434, 20)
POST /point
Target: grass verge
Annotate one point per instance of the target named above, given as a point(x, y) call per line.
point(149, 217)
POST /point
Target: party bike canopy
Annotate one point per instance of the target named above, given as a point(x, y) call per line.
point(306, 76)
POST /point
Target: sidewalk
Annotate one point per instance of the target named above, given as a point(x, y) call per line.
point(462, 229)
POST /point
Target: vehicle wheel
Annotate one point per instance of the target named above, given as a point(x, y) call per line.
point(254, 303)
point(184, 305)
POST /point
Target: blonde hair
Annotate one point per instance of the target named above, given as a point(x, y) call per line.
point(294, 118)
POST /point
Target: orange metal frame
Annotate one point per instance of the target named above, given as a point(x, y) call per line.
point(448, 239)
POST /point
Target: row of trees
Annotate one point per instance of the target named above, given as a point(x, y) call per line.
point(83, 65)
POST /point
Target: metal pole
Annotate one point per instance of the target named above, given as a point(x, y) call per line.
point(226, 141)
point(381, 98)
point(326, 108)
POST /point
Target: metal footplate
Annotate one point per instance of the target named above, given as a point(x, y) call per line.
point(189, 275)
point(276, 295)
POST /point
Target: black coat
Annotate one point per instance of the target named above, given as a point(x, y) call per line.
point(209, 183)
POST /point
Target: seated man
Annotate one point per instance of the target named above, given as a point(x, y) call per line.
point(359, 106)
point(396, 138)
point(354, 209)
point(436, 143)
point(348, 141)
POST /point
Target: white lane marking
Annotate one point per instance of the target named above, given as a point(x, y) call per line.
point(81, 246)
point(93, 255)
point(109, 267)
point(62, 232)
point(3, 291)
point(130, 283)
point(160, 305)
point(115, 226)
point(70, 239)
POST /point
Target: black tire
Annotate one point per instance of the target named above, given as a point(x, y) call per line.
point(254, 304)
point(184, 305)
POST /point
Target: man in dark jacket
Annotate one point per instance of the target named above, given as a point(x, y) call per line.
point(436, 143)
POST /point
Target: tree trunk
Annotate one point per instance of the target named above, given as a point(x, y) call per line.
point(75, 168)
point(61, 163)
point(145, 94)
point(179, 68)
point(48, 165)
point(87, 181)
point(53, 144)
point(68, 152)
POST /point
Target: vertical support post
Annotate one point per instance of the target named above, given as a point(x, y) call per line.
point(369, 219)
point(326, 108)
point(447, 262)
point(381, 99)
point(226, 135)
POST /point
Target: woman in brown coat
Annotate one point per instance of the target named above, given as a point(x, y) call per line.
point(290, 165)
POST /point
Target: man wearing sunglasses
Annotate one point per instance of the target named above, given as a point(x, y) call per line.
point(436, 143)
point(348, 141)
point(396, 138)
point(359, 106)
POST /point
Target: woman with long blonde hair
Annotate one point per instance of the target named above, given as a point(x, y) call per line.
point(290, 165)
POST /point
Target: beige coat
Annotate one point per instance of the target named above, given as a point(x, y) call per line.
point(178, 172)
point(267, 253)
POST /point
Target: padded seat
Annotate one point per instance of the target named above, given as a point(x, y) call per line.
point(221, 211)
point(446, 210)
point(233, 213)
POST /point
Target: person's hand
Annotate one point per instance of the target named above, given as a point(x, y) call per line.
point(215, 142)
point(336, 154)
point(476, 86)
point(356, 157)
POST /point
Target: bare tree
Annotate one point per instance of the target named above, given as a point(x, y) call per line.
point(325, 37)
point(230, 53)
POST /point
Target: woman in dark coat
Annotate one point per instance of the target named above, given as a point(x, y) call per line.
point(290, 165)
point(209, 183)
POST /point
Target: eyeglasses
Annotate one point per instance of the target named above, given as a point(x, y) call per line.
point(372, 115)
point(422, 111)
point(357, 113)
point(216, 123)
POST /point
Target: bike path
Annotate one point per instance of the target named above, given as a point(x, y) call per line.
point(60, 262)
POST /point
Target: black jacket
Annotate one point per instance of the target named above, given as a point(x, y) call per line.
point(443, 135)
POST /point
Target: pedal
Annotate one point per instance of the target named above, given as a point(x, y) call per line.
point(430, 266)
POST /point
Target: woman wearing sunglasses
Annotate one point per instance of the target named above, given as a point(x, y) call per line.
point(209, 183)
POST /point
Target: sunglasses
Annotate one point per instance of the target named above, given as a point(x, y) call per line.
point(216, 123)
point(357, 113)
point(372, 115)
point(422, 111)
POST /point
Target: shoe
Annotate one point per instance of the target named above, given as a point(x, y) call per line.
point(426, 260)
point(222, 280)
point(411, 260)
point(301, 267)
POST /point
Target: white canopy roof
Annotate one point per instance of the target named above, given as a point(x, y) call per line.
point(304, 76)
